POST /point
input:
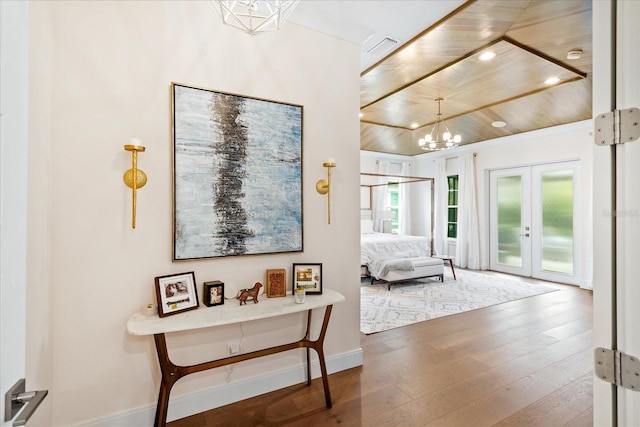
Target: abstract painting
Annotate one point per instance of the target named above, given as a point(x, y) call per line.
point(237, 175)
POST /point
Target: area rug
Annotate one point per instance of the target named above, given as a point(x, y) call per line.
point(419, 300)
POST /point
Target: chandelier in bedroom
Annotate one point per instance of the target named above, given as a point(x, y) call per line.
point(255, 16)
point(434, 140)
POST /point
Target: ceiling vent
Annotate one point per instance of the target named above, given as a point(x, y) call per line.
point(385, 45)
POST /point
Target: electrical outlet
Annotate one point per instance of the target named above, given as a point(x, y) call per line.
point(233, 349)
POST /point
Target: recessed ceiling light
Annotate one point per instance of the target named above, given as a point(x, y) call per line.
point(487, 56)
point(499, 124)
point(551, 81)
point(574, 54)
point(414, 125)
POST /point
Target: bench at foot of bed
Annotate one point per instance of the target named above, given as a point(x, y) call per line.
point(423, 267)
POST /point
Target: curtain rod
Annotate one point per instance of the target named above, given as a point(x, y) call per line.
point(402, 182)
point(455, 157)
point(397, 163)
point(424, 178)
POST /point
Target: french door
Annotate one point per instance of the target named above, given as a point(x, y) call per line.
point(534, 222)
point(510, 221)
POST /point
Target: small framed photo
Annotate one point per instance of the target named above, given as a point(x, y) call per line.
point(213, 293)
point(276, 283)
point(309, 277)
point(176, 293)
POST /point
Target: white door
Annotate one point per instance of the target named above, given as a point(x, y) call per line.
point(555, 227)
point(616, 206)
point(13, 195)
point(533, 223)
point(510, 221)
point(628, 209)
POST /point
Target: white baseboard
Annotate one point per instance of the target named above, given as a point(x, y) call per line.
point(201, 401)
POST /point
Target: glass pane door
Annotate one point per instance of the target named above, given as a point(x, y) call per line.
point(509, 222)
point(555, 219)
point(533, 218)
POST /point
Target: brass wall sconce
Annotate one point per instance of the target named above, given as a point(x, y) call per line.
point(324, 187)
point(134, 178)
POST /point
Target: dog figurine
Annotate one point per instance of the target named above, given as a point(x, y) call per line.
point(246, 293)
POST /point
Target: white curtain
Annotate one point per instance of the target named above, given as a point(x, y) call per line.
point(404, 202)
point(379, 200)
point(440, 207)
point(468, 242)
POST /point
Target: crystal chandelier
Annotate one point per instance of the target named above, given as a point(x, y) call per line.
point(434, 140)
point(255, 16)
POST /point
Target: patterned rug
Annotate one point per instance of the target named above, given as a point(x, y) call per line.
point(419, 300)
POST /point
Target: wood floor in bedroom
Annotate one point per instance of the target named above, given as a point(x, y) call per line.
point(523, 363)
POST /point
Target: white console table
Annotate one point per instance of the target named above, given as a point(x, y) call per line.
point(229, 313)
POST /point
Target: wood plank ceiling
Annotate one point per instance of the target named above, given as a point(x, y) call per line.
point(531, 40)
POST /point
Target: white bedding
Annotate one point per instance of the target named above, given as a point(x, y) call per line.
point(378, 246)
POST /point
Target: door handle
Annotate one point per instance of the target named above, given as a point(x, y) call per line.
point(16, 399)
point(525, 234)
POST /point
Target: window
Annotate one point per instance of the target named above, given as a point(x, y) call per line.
point(452, 211)
point(393, 191)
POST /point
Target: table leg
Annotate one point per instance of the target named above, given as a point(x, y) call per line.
point(308, 350)
point(318, 346)
point(169, 378)
point(452, 270)
point(172, 373)
point(320, 350)
point(163, 406)
point(308, 367)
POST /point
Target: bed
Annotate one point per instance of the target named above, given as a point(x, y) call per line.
point(396, 258)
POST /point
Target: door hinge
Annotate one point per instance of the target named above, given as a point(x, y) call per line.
point(617, 127)
point(617, 368)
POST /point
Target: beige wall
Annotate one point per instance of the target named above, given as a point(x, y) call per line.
point(101, 74)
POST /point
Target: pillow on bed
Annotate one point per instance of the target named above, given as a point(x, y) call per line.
point(366, 226)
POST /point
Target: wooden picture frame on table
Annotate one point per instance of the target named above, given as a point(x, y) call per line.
point(309, 277)
point(176, 293)
point(276, 283)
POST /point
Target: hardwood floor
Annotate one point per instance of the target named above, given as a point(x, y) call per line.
point(523, 363)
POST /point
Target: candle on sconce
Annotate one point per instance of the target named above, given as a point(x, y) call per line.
point(135, 141)
point(331, 160)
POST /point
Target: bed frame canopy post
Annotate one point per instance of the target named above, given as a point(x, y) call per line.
point(409, 180)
